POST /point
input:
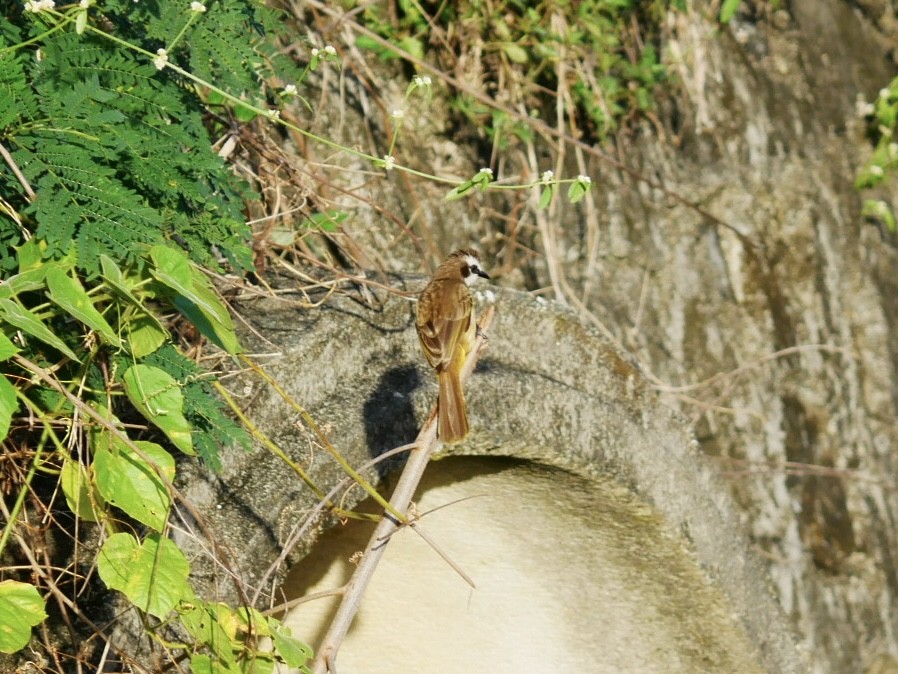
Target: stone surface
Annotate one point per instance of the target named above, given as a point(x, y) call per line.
point(729, 258)
point(549, 389)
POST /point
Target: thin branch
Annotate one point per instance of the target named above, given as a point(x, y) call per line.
point(414, 526)
point(7, 157)
point(300, 531)
point(411, 476)
point(536, 124)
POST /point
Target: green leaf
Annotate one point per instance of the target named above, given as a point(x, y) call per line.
point(482, 178)
point(208, 625)
point(30, 255)
point(578, 189)
point(21, 607)
point(7, 348)
point(413, 46)
point(515, 52)
point(113, 276)
point(481, 181)
point(195, 297)
point(80, 496)
point(8, 405)
point(81, 22)
point(145, 332)
point(244, 113)
point(294, 652)
point(130, 481)
point(382, 52)
point(173, 269)
point(728, 9)
point(326, 221)
point(69, 295)
point(545, 197)
point(24, 282)
point(28, 322)
point(203, 664)
point(158, 397)
point(145, 335)
point(460, 190)
point(262, 663)
point(152, 574)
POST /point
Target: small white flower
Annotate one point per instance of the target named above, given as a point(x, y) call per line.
point(584, 180)
point(547, 176)
point(330, 51)
point(315, 51)
point(37, 6)
point(274, 114)
point(389, 162)
point(488, 171)
point(289, 90)
point(161, 59)
point(893, 149)
point(421, 81)
point(84, 4)
point(862, 108)
point(197, 7)
point(876, 170)
point(397, 114)
point(884, 93)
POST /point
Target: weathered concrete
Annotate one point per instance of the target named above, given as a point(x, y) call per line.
point(549, 389)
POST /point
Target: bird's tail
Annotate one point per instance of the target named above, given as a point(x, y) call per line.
point(452, 411)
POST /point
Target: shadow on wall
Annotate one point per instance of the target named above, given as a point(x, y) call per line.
point(389, 416)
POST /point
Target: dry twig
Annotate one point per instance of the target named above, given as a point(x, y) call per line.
point(402, 496)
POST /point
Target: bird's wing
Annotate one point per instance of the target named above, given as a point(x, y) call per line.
point(448, 321)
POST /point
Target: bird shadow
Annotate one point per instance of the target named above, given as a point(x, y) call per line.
point(389, 415)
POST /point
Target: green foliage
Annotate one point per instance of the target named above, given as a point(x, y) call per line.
point(228, 634)
point(134, 480)
point(479, 181)
point(613, 71)
point(728, 9)
point(151, 573)
point(115, 149)
point(111, 198)
point(212, 428)
point(21, 607)
point(883, 163)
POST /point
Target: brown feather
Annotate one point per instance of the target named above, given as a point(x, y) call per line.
point(446, 330)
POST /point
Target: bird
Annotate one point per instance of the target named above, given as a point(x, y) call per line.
point(446, 329)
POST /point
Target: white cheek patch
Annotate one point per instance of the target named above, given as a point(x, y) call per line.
point(473, 263)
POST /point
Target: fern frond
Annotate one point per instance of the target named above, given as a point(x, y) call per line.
point(81, 199)
point(202, 406)
point(17, 100)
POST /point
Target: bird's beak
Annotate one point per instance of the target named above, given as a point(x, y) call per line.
point(482, 273)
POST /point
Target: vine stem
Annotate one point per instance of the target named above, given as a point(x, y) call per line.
point(425, 444)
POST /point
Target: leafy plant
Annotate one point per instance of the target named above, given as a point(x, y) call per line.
point(613, 69)
point(883, 163)
point(111, 202)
